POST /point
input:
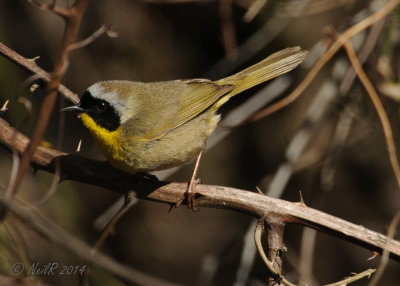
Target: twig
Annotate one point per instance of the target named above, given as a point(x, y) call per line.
point(110, 226)
point(73, 17)
point(270, 263)
point(314, 7)
point(103, 29)
point(305, 262)
point(291, 166)
point(354, 278)
point(314, 119)
point(346, 117)
point(247, 255)
point(343, 127)
point(56, 234)
point(254, 44)
point(254, 9)
point(102, 174)
point(379, 109)
point(31, 66)
point(64, 13)
point(385, 255)
point(228, 31)
point(275, 227)
point(342, 38)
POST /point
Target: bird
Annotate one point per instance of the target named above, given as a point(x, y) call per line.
point(144, 127)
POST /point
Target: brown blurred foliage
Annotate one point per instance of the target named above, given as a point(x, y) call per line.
point(160, 40)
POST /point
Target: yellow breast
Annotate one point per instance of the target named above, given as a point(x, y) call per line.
point(108, 141)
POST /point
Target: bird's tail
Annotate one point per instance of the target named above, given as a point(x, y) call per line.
point(273, 66)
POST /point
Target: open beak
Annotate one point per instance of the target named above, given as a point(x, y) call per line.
point(75, 108)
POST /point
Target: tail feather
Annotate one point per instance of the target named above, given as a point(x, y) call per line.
point(273, 66)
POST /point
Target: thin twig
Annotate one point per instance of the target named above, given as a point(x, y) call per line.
point(254, 9)
point(354, 278)
point(340, 135)
point(110, 226)
point(314, 7)
point(31, 66)
point(64, 13)
point(379, 109)
point(103, 29)
point(253, 45)
point(48, 229)
point(291, 166)
point(75, 13)
point(342, 38)
point(228, 32)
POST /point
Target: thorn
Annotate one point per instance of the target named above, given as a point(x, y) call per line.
point(78, 148)
point(374, 255)
point(302, 200)
point(34, 87)
point(259, 190)
point(128, 197)
point(4, 108)
point(171, 207)
point(110, 32)
point(33, 60)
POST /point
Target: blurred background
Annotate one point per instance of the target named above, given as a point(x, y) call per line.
point(340, 161)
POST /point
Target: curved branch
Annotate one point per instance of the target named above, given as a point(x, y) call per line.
point(101, 174)
point(31, 66)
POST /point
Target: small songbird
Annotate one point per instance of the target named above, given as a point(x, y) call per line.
point(143, 127)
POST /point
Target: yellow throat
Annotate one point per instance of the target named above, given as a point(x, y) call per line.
point(108, 141)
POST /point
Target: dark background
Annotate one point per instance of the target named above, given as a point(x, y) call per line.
point(163, 41)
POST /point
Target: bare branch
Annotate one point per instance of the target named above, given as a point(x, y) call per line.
point(344, 282)
point(270, 263)
point(383, 117)
point(75, 13)
point(31, 66)
point(103, 29)
point(56, 234)
point(102, 174)
point(344, 37)
point(64, 13)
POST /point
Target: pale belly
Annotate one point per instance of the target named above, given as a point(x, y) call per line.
point(174, 148)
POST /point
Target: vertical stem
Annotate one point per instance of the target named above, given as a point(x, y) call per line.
point(73, 17)
point(275, 230)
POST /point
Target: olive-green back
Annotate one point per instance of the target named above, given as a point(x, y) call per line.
point(159, 107)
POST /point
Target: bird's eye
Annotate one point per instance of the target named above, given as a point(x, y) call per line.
point(102, 105)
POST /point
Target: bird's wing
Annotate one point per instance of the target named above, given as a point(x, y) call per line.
point(174, 103)
point(200, 95)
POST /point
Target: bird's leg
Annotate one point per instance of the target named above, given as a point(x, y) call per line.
point(189, 195)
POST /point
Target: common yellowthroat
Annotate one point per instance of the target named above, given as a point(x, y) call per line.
point(142, 127)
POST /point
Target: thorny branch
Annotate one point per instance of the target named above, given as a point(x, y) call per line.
point(31, 66)
point(43, 158)
point(102, 174)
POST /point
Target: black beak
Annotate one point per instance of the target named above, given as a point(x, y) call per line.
point(75, 108)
